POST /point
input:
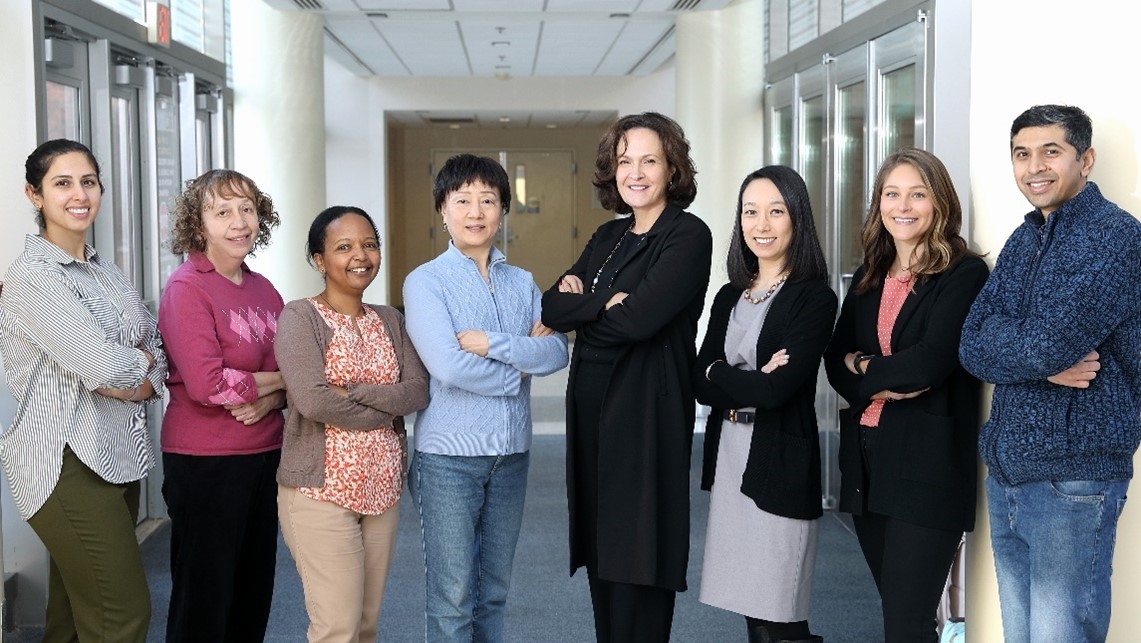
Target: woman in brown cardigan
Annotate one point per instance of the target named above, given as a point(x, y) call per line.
point(353, 374)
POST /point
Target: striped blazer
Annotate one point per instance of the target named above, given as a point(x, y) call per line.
point(68, 327)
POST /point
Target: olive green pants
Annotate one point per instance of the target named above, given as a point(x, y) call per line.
point(97, 590)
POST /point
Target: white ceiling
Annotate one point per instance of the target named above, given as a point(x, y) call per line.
point(504, 38)
point(501, 39)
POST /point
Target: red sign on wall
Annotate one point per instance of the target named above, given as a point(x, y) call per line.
point(158, 24)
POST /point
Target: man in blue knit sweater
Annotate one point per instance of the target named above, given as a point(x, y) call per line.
point(1057, 329)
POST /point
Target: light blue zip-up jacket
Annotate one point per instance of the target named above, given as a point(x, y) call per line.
point(478, 405)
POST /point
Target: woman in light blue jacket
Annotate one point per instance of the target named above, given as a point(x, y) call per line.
point(474, 320)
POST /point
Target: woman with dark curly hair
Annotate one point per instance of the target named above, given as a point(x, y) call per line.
point(907, 442)
point(634, 296)
point(222, 432)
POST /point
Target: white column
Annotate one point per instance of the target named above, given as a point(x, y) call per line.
point(720, 84)
point(279, 130)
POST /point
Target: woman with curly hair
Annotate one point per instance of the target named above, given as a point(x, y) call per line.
point(907, 440)
point(222, 432)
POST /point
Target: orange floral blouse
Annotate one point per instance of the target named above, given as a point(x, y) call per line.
point(364, 470)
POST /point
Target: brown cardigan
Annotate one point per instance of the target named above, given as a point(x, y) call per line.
point(300, 345)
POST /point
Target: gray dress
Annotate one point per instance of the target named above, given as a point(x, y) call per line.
point(756, 563)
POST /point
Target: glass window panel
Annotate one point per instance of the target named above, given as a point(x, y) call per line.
point(62, 111)
point(812, 153)
point(899, 109)
point(202, 139)
point(133, 9)
point(781, 147)
point(851, 108)
point(802, 23)
point(853, 8)
point(186, 23)
point(123, 184)
point(169, 171)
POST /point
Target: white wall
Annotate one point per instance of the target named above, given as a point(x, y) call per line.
point(1026, 53)
point(22, 551)
point(355, 156)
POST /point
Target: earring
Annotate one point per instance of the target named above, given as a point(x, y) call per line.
point(445, 226)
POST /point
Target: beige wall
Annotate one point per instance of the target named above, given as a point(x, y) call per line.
point(411, 213)
point(1025, 53)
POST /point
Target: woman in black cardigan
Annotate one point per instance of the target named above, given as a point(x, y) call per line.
point(907, 442)
point(757, 368)
point(634, 296)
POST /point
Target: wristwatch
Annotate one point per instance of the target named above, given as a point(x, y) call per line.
point(862, 358)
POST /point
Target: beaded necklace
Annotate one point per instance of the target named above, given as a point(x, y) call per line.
point(769, 293)
point(598, 275)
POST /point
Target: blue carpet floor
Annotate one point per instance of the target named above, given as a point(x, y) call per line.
point(546, 604)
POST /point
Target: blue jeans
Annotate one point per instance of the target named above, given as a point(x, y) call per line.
point(471, 509)
point(1053, 552)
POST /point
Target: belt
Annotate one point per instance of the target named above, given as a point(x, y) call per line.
point(744, 417)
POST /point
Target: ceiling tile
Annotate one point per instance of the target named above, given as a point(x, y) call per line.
point(404, 5)
point(506, 46)
point(574, 47)
point(426, 47)
point(637, 40)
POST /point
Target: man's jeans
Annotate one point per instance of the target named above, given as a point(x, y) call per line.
point(471, 508)
point(1053, 551)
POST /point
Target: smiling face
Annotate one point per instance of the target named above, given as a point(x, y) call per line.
point(766, 224)
point(1048, 170)
point(642, 175)
point(230, 227)
point(351, 257)
point(906, 208)
point(68, 196)
point(472, 214)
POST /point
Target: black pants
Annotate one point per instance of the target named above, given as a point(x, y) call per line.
point(625, 613)
point(223, 545)
point(910, 564)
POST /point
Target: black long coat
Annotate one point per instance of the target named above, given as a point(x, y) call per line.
point(646, 426)
point(782, 472)
point(926, 455)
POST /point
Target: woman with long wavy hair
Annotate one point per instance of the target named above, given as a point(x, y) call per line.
point(907, 440)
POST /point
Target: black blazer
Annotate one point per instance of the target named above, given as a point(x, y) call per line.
point(646, 425)
point(926, 454)
point(782, 474)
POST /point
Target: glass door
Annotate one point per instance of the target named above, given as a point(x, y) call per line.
point(65, 89)
point(848, 86)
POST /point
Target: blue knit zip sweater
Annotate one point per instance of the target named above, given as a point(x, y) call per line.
point(1062, 287)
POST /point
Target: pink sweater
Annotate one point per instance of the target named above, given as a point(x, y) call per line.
point(216, 335)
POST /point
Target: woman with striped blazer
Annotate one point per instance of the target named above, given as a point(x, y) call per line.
point(81, 355)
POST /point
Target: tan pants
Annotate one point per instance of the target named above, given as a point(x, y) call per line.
point(342, 558)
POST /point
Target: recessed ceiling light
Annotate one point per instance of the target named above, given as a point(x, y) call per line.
point(500, 43)
point(504, 119)
point(551, 126)
point(453, 126)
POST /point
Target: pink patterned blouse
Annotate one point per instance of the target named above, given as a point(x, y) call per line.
point(364, 470)
point(894, 294)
